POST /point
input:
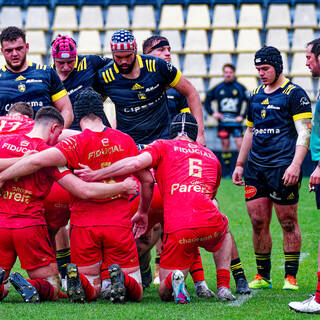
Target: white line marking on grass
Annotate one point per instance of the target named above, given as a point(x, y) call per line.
point(303, 255)
point(242, 299)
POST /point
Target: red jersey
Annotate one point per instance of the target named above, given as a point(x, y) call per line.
point(188, 176)
point(98, 150)
point(21, 200)
point(17, 124)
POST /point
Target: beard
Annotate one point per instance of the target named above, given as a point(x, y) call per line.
point(127, 70)
point(17, 67)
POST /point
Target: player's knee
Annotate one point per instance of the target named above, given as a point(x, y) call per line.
point(257, 224)
point(287, 225)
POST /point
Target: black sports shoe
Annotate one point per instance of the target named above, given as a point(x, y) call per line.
point(24, 288)
point(118, 290)
point(146, 278)
point(74, 289)
point(242, 286)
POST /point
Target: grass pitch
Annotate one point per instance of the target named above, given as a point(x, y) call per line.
point(266, 304)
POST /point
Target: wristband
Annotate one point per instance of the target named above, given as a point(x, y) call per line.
point(240, 164)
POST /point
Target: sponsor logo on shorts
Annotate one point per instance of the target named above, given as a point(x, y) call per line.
point(192, 240)
point(250, 192)
point(291, 196)
point(275, 196)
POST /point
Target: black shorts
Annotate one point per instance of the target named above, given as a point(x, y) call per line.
point(317, 188)
point(224, 132)
point(262, 182)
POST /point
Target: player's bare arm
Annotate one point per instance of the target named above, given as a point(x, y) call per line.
point(185, 87)
point(140, 220)
point(25, 166)
point(97, 190)
point(64, 106)
point(121, 167)
point(242, 158)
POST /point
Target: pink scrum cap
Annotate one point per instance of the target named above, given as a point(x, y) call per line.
point(63, 47)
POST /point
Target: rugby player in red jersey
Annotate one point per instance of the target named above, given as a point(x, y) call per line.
point(23, 231)
point(188, 176)
point(100, 240)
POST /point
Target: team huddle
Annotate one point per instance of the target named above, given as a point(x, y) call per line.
point(149, 181)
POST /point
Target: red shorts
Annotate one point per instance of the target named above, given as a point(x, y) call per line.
point(30, 244)
point(155, 214)
point(90, 245)
point(56, 204)
point(180, 248)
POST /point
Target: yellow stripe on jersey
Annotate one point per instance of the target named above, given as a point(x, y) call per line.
point(249, 123)
point(140, 61)
point(59, 95)
point(108, 76)
point(111, 74)
point(85, 63)
point(30, 64)
point(115, 68)
point(4, 68)
point(284, 84)
point(76, 64)
point(288, 89)
point(184, 110)
point(176, 79)
point(304, 115)
point(154, 65)
point(104, 77)
point(256, 90)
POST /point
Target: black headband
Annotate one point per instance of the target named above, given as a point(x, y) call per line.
point(162, 43)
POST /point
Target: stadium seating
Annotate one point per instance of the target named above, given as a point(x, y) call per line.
point(91, 18)
point(117, 18)
point(10, 16)
point(224, 17)
point(65, 18)
point(37, 18)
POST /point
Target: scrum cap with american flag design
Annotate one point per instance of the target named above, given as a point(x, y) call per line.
point(123, 40)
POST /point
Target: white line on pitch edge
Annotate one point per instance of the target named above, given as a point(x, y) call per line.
point(242, 299)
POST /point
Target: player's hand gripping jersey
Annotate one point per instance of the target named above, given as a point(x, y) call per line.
point(38, 85)
point(272, 117)
point(98, 150)
point(188, 176)
point(141, 104)
point(21, 200)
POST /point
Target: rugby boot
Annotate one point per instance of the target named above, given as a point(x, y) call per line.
point(307, 306)
point(203, 291)
point(24, 288)
point(118, 290)
point(180, 293)
point(260, 283)
point(225, 294)
point(146, 277)
point(242, 286)
point(75, 291)
point(290, 283)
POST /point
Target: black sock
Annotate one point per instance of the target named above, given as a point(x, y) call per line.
point(237, 270)
point(263, 264)
point(63, 259)
point(291, 263)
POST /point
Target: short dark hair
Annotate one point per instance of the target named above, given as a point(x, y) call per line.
point(147, 44)
point(12, 33)
point(315, 47)
point(23, 108)
point(49, 114)
point(229, 65)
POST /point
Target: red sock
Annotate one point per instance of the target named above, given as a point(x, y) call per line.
point(87, 287)
point(44, 288)
point(196, 270)
point(168, 281)
point(62, 295)
point(133, 288)
point(1, 291)
point(317, 296)
point(223, 278)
